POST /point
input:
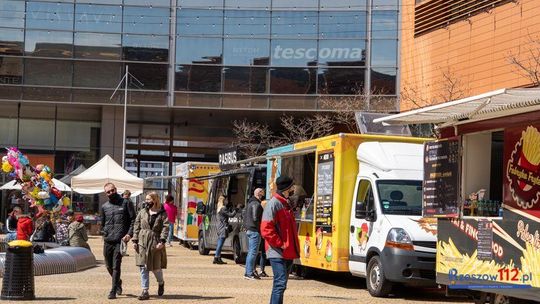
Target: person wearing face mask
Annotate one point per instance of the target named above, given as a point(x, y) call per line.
point(149, 237)
point(224, 213)
point(278, 228)
point(252, 222)
point(117, 218)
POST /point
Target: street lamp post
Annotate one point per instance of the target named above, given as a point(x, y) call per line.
point(126, 80)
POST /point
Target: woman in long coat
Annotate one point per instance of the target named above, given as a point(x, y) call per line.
point(223, 229)
point(149, 236)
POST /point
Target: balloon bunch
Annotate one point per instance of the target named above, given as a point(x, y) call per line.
point(36, 183)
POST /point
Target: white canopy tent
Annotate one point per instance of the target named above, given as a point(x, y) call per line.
point(12, 185)
point(106, 170)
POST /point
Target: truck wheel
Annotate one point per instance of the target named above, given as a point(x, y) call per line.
point(239, 257)
point(202, 250)
point(377, 284)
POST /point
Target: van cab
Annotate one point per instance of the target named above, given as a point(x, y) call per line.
point(390, 242)
point(237, 186)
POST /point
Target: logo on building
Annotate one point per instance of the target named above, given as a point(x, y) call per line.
point(323, 53)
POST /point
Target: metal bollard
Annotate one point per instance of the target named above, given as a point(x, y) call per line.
point(18, 282)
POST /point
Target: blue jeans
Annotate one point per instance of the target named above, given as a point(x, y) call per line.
point(254, 238)
point(220, 242)
point(171, 233)
point(145, 277)
point(262, 261)
point(281, 269)
point(11, 236)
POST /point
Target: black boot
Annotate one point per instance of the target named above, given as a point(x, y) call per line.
point(112, 295)
point(218, 261)
point(119, 289)
point(144, 295)
point(161, 289)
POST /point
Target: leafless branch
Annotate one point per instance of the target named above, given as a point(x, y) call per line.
point(528, 64)
point(305, 128)
point(252, 138)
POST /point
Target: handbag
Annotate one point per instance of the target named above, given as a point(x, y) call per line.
point(229, 228)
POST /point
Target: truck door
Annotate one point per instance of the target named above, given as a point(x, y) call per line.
point(363, 216)
point(212, 224)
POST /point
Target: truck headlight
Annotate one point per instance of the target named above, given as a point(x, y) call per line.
point(399, 238)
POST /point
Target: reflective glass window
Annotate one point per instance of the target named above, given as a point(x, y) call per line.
point(343, 5)
point(240, 23)
point(198, 78)
point(201, 3)
point(252, 4)
point(296, 4)
point(287, 24)
point(12, 13)
point(98, 46)
point(148, 2)
point(384, 52)
point(146, 20)
point(385, 5)
point(384, 24)
point(11, 41)
point(38, 72)
point(100, 1)
point(96, 74)
point(293, 80)
point(36, 134)
point(146, 47)
point(342, 52)
point(11, 70)
point(342, 25)
point(246, 52)
point(196, 22)
point(49, 16)
point(199, 50)
point(294, 52)
point(244, 79)
point(98, 18)
point(48, 43)
point(383, 81)
point(341, 81)
point(152, 76)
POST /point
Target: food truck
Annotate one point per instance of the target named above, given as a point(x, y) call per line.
point(192, 189)
point(483, 183)
point(358, 207)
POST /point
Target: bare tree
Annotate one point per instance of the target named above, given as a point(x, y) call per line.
point(343, 109)
point(305, 128)
point(252, 138)
point(528, 63)
point(452, 86)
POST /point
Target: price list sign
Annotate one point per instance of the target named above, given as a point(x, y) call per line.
point(485, 240)
point(441, 178)
point(325, 191)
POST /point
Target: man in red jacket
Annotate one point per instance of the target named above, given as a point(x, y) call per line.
point(25, 227)
point(278, 228)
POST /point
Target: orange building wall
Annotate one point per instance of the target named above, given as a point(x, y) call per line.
point(475, 51)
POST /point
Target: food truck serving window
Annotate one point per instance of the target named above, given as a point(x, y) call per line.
point(482, 176)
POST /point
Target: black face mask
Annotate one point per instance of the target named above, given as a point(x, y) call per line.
point(148, 205)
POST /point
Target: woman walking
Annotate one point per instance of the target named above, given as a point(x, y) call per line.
point(149, 237)
point(223, 229)
point(77, 233)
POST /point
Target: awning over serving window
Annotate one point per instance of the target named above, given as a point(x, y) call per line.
point(484, 106)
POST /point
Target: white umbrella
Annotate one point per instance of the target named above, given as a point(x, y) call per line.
point(12, 185)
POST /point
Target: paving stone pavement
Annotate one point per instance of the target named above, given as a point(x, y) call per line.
point(192, 278)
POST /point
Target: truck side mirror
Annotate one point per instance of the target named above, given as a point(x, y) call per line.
point(201, 208)
point(360, 210)
point(370, 216)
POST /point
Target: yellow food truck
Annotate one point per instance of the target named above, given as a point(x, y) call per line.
point(191, 191)
point(358, 207)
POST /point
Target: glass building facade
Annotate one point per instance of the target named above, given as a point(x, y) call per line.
point(233, 54)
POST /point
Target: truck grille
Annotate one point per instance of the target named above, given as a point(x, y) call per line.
point(425, 244)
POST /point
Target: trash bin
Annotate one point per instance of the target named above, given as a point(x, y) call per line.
point(18, 283)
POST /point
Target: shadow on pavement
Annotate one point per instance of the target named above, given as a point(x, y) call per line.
point(190, 297)
point(54, 299)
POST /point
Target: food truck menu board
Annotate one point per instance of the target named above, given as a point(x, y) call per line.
point(441, 178)
point(325, 191)
point(485, 240)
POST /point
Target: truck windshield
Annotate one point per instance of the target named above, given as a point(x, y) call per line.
point(403, 197)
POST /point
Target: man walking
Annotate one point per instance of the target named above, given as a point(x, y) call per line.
point(278, 228)
point(252, 222)
point(172, 212)
point(117, 218)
